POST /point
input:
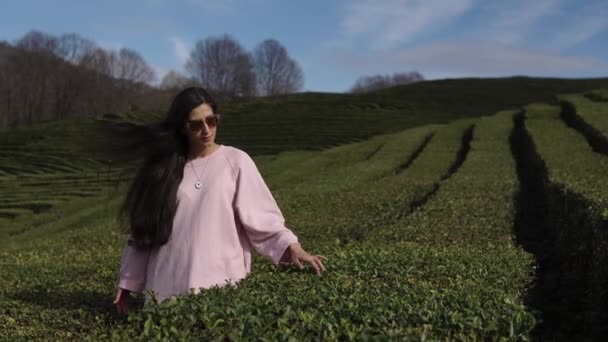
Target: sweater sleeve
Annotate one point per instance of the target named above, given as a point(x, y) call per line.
point(133, 266)
point(259, 213)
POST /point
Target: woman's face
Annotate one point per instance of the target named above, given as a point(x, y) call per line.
point(201, 127)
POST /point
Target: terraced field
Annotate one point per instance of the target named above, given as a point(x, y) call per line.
point(492, 227)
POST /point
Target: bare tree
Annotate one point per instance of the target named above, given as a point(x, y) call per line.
point(6, 84)
point(376, 82)
point(174, 80)
point(129, 65)
point(406, 78)
point(69, 83)
point(98, 60)
point(73, 48)
point(223, 66)
point(37, 41)
point(43, 77)
point(276, 72)
point(35, 68)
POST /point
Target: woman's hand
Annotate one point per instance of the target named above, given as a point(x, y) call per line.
point(299, 255)
point(123, 301)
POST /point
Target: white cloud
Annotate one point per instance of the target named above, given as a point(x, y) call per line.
point(159, 72)
point(397, 21)
point(468, 58)
point(180, 48)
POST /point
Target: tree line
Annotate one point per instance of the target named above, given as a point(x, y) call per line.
point(45, 77)
point(223, 66)
point(376, 82)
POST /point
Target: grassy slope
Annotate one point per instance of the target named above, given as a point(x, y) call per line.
point(403, 288)
point(105, 148)
point(41, 262)
point(321, 120)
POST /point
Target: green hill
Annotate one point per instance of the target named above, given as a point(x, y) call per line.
point(442, 218)
point(315, 121)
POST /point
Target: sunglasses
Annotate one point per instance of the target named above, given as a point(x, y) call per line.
point(211, 121)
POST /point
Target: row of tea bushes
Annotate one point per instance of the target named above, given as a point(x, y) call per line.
point(374, 287)
point(350, 207)
point(371, 289)
point(50, 163)
point(476, 208)
point(477, 204)
point(598, 95)
point(354, 164)
point(382, 291)
point(577, 214)
point(589, 117)
point(30, 195)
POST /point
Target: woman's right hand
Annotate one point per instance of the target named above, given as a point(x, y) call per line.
point(123, 301)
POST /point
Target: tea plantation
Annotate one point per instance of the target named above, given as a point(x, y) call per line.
point(483, 227)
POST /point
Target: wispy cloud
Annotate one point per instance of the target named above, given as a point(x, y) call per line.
point(180, 48)
point(581, 26)
point(468, 58)
point(513, 20)
point(398, 21)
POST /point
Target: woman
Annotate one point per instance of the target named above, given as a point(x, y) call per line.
point(195, 208)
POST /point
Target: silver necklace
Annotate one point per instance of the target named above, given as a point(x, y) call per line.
point(198, 181)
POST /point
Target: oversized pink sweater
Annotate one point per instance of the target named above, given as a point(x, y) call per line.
point(213, 230)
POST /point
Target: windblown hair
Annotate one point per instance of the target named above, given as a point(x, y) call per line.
point(151, 201)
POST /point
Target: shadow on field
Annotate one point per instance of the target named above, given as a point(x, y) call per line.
point(461, 156)
point(596, 97)
point(594, 137)
point(94, 303)
point(553, 226)
point(416, 153)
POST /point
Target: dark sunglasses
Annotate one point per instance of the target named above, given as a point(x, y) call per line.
point(211, 121)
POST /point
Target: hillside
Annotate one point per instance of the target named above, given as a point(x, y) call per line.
point(486, 225)
point(316, 121)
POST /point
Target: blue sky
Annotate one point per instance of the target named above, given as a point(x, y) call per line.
point(336, 41)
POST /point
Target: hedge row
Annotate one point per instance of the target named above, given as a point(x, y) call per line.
point(589, 117)
point(576, 216)
point(352, 201)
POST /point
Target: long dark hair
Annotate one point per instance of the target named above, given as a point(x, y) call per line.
point(151, 201)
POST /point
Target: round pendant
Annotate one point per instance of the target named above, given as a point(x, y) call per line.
point(197, 185)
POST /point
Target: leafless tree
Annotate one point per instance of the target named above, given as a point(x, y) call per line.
point(69, 83)
point(97, 60)
point(125, 71)
point(223, 66)
point(276, 72)
point(35, 67)
point(5, 85)
point(129, 65)
point(74, 48)
point(376, 82)
point(37, 41)
point(406, 77)
point(174, 80)
point(43, 77)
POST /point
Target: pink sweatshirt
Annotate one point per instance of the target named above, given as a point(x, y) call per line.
point(213, 230)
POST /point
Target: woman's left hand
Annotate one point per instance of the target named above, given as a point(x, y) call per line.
point(299, 255)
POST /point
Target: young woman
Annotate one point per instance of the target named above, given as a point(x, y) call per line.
point(195, 209)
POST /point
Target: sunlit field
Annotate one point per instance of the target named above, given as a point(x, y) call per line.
point(447, 223)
